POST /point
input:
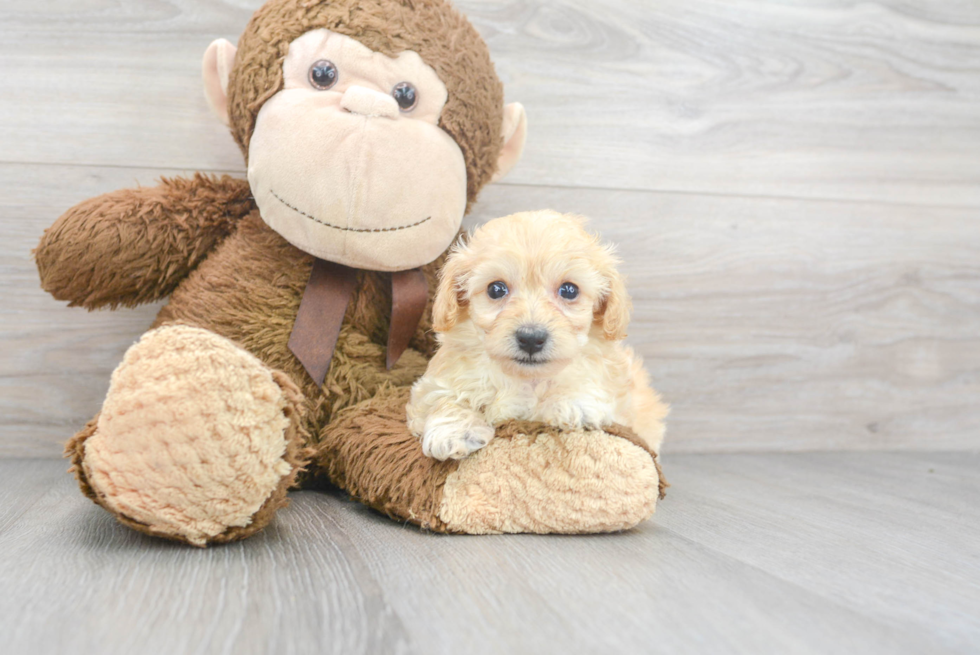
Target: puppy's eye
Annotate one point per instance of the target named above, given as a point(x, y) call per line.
point(497, 290)
point(405, 95)
point(323, 74)
point(568, 291)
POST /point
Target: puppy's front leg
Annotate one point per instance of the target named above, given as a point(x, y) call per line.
point(581, 412)
point(447, 427)
point(453, 432)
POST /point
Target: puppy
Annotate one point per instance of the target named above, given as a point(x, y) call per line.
point(530, 315)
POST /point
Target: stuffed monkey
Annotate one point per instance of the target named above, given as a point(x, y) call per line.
point(300, 299)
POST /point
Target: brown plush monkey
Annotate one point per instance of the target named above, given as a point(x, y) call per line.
point(369, 127)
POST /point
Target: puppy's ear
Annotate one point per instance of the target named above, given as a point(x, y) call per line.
point(614, 307)
point(449, 304)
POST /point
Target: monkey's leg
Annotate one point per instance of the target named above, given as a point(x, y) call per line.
point(530, 478)
point(197, 440)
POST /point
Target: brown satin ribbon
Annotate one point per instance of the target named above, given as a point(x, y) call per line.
point(321, 313)
point(409, 293)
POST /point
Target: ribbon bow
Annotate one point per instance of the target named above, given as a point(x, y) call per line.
point(324, 303)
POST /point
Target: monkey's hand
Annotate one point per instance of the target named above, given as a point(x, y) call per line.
point(136, 245)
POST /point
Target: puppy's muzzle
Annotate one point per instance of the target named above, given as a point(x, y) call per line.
point(531, 339)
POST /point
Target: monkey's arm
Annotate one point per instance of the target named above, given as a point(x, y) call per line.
point(135, 245)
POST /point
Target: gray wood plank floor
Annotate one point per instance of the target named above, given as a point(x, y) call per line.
point(763, 553)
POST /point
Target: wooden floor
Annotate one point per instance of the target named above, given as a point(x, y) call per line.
point(795, 191)
point(780, 553)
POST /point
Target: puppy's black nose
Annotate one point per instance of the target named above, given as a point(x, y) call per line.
point(531, 339)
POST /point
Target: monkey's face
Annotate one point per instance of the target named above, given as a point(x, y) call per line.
point(348, 162)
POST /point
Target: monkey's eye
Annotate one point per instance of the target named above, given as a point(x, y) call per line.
point(323, 74)
point(568, 291)
point(405, 95)
point(496, 290)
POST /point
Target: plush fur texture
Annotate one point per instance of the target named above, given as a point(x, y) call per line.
point(442, 36)
point(582, 377)
point(369, 452)
point(197, 440)
point(533, 478)
point(137, 245)
point(249, 291)
point(193, 434)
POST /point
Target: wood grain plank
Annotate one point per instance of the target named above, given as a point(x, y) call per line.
point(889, 535)
point(129, 16)
point(23, 483)
point(648, 590)
point(76, 581)
point(790, 553)
point(768, 324)
point(823, 99)
point(55, 362)
point(131, 100)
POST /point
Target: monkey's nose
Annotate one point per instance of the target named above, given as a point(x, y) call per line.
point(368, 102)
point(531, 339)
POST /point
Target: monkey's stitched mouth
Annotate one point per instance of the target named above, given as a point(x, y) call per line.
point(348, 229)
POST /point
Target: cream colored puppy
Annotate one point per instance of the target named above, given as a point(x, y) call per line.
point(531, 313)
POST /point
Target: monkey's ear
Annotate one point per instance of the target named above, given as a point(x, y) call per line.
point(514, 132)
point(216, 67)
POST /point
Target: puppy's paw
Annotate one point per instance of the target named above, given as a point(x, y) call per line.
point(454, 440)
point(578, 414)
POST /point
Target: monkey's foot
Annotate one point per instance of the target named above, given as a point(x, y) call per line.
point(530, 478)
point(197, 440)
point(534, 478)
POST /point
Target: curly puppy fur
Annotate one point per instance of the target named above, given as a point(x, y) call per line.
point(575, 375)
